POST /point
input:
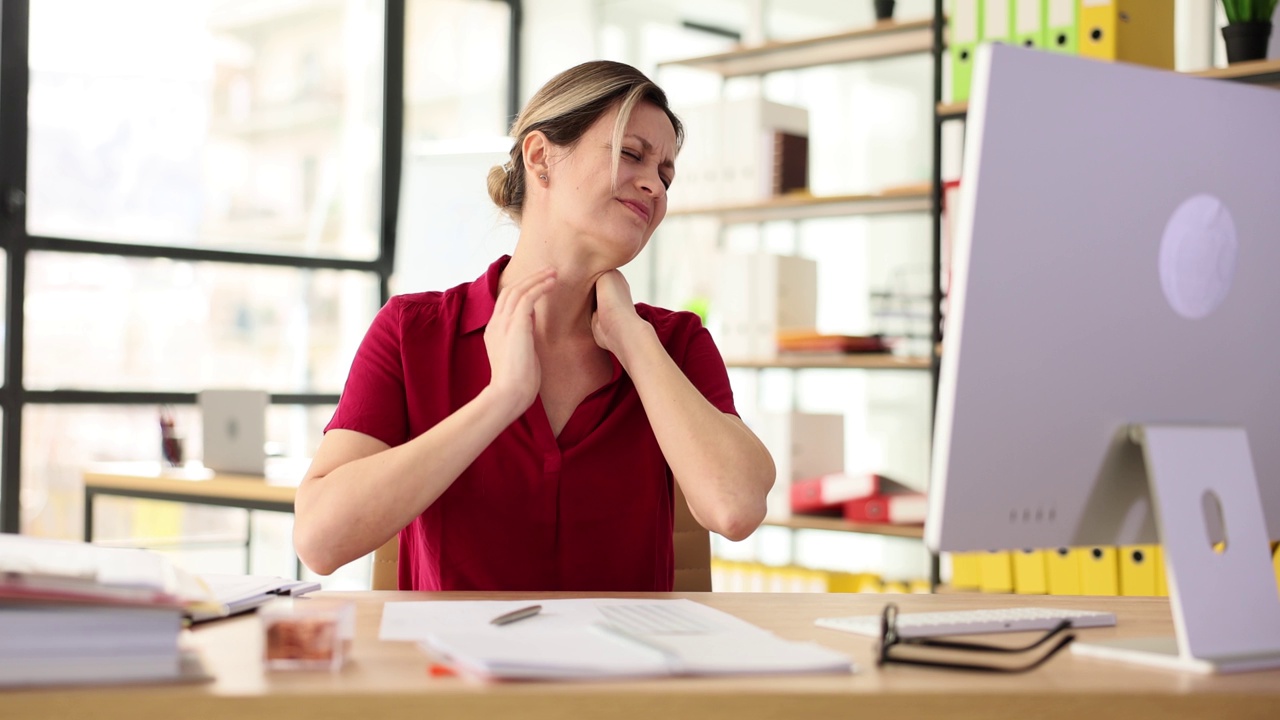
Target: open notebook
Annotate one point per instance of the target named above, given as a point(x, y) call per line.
point(602, 638)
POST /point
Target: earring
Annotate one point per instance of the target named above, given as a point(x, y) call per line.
point(543, 178)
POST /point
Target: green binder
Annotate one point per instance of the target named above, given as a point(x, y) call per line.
point(997, 21)
point(1028, 23)
point(965, 34)
point(1061, 25)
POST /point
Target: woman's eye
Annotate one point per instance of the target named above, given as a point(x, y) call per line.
point(666, 184)
point(631, 154)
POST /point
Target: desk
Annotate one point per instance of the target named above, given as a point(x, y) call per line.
point(152, 481)
point(387, 679)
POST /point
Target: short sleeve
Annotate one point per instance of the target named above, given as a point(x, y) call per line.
point(695, 352)
point(373, 400)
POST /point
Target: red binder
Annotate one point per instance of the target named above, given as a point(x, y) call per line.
point(829, 492)
point(899, 509)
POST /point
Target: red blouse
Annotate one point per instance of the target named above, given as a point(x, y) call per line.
point(589, 510)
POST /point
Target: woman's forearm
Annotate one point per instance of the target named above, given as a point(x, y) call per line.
point(723, 469)
point(359, 492)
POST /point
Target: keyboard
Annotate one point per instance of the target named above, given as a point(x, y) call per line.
point(967, 622)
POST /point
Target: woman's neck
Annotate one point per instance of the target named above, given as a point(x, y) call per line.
point(566, 310)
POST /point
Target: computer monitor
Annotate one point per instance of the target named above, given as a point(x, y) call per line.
point(1114, 309)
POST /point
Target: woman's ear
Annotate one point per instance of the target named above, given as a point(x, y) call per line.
point(536, 151)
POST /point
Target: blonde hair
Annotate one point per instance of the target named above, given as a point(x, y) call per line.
point(564, 108)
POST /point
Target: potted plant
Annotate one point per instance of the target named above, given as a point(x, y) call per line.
point(1248, 29)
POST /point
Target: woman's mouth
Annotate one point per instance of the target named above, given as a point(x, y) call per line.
point(637, 208)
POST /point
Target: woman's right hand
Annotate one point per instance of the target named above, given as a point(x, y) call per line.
point(508, 339)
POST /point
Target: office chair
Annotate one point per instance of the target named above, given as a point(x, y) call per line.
point(691, 542)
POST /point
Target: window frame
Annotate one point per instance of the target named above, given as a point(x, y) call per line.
point(18, 244)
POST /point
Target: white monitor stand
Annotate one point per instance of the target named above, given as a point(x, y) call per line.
point(1195, 473)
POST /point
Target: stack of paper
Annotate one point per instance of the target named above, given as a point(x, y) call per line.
point(236, 594)
point(74, 613)
point(63, 642)
point(602, 638)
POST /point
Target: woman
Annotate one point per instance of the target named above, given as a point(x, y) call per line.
point(524, 429)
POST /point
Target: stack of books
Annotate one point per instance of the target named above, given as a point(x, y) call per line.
point(75, 613)
point(866, 498)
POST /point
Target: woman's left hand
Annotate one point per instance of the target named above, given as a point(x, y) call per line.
point(615, 313)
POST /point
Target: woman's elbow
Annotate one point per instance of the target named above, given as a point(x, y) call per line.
point(313, 552)
point(738, 523)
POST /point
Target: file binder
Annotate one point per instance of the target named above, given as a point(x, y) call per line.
point(997, 572)
point(997, 21)
point(825, 492)
point(1100, 572)
point(1030, 572)
point(965, 33)
point(966, 570)
point(1061, 20)
point(1063, 569)
point(1028, 27)
point(1138, 570)
point(894, 508)
point(1275, 563)
point(1162, 581)
point(1133, 31)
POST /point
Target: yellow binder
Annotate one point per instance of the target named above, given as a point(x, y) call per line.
point(1132, 31)
point(1162, 581)
point(844, 582)
point(965, 32)
point(870, 583)
point(1028, 28)
point(1063, 568)
point(966, 570)
point(1138, 570)
point(1275, 561)
point(894, 586)
point(1030, 572)
point(1061, 21)
point(1100, 572)
point(997, 572)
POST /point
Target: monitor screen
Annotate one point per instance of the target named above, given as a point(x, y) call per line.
point(1116, 262)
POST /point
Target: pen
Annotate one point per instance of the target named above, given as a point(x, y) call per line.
point(515, 615)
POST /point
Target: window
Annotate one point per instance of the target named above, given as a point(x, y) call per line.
point(250, 126)
point(204, 198)
point(104, 322)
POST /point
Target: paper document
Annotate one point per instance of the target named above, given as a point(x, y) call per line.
point(601, 638)
point(240, 593)
point(43, 568)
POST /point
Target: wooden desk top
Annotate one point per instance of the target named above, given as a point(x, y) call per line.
point(279, 486)
point(387, 679)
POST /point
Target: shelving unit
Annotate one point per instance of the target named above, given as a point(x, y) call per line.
point(882, 40)
point(805, 207)
point(817, 522)
point(1261, 72)
point(836, 362)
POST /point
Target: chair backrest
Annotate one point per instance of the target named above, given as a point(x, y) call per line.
point(691, 542)
point(386, 565)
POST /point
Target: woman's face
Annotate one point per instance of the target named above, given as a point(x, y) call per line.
point(618, 219)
